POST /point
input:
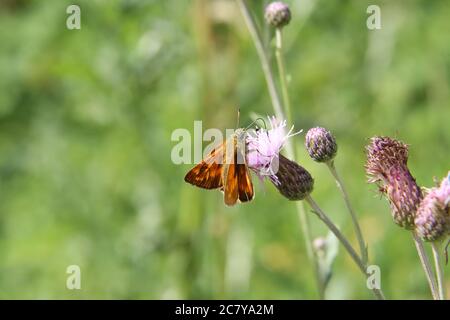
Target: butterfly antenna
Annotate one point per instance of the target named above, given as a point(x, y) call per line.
point(258, 119)
point(263, 121)
point(238, 117)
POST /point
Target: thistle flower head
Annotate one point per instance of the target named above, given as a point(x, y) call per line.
point(263, 157)
point(321, 144)
point(277, 14)
point(443, 192)
point(387, 166)
point(433, 215)
point(382, 153)
point(404, 195)
point(264, 146)
point(292, 180)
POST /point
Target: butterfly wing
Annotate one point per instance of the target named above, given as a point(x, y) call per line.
point(230, 192)
point(225, 168)
point(238, 184)
point(208, 173)
point(245, 185)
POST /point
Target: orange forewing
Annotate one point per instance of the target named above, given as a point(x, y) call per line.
point(208, 173)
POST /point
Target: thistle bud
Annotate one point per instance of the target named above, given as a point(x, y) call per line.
point(292, 180)
point(433, 215)
point(404, 196)
point(382, 154)
point(321, 144)
point(277, 14)
point(387, 166)
point(444, 192)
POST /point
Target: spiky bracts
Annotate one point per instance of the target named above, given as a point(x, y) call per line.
point(321, 144)
point(433, 215)
point(293, 181)
point(386, 165)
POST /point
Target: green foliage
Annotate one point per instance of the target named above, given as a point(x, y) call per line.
point(86, 118)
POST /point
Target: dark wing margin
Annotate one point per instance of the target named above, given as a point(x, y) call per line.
point(245, 185)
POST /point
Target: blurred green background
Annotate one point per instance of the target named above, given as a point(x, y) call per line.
point(86, 118)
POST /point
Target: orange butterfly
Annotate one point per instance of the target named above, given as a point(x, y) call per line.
point(225, 168)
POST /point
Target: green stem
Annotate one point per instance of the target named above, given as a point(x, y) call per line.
point(426, 265)
point(257, 40)
point(305, 225)
point(282, 73)
point(283, 85)
point(356, 258)
point(340, 184)
point(304, 221)
point(439, 270)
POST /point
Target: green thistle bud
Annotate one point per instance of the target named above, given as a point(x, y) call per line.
point(321, 144)
point(293, 181)
point(433, 215)
point(277, 14)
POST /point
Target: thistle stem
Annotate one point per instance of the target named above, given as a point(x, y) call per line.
point(426, 265)
point(439, 270)
point(282, 73)
point(340, 184)
point(304, 220)
point(257, 40)
point(283, 85)
point(356, 258)
point(305, 225)
point(265, 64)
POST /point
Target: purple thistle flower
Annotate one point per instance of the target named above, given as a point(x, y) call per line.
point(264, 146)
point(264, 158)
point(444, 192)
point(386, 165)
point(382, 154)
point(433, 215)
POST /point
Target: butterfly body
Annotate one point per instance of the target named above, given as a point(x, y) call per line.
point(225, 168)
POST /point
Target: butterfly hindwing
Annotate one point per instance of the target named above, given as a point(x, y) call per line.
point(230, 194)
point(237, 179)
point(245, 185)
